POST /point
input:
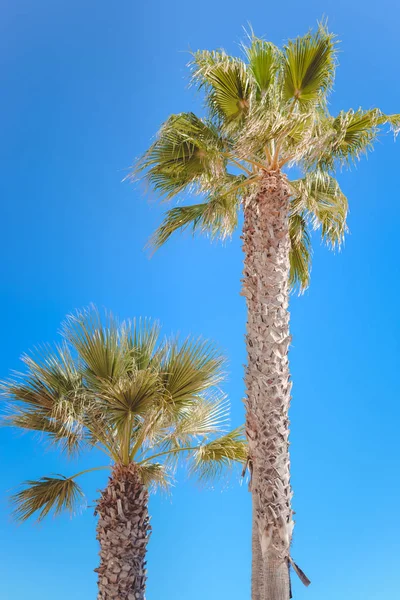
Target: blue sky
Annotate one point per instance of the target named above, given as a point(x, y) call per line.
point(85, 86)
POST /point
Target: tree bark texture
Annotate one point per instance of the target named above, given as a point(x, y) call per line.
point(266, 245)
point(123, 532)
point(257, 563)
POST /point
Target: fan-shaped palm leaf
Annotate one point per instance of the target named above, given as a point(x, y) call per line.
point(48, 493)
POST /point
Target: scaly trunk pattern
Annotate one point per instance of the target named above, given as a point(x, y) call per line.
point(266, 246)
point(123, 531)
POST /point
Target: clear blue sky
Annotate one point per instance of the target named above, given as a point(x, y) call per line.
point(84, 86)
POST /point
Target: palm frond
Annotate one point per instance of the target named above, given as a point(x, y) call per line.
point(355, 132)
point(99, 345)
point(300, 252)
point(186, 152)
point(129, 398)
point(188, 369)
point(210, 459)
point(217, 217)
point(142, 338)
point(226, 82)
point(326, 204)
point(204, 417)
point(309, 66)
point(46, 494)
point(69, 437)
point(263, 58)
point(50, 377)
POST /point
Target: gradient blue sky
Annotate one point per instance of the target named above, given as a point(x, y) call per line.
point(84, 86)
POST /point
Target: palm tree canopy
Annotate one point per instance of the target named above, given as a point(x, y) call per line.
point(120, 388)
point(265, 111)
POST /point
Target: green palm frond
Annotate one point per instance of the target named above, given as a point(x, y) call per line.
point(142, 337)
point(100, 345)
point(47, 494)
point(326, 204)
point(227, 84)
point(69, 437)
point(356, 131)
point(186, 152)
point(217, 217)
point(50, 378)
point(309, 66)
point(188, 369)
point(300, 252)
point(210, 459)
point(136, 394)
point(263, 58)
point(204, 417)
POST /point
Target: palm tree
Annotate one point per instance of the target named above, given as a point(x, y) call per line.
point(142, 402)
point(269, 146)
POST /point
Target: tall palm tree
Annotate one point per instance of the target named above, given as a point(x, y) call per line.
point(142, 402)
point(269, 146)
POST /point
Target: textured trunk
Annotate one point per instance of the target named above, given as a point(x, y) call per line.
point(265, 285)
point(123, 532)
point(257, 564)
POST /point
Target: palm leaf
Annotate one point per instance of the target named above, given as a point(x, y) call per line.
point(142, 338)
point(99, 345)
point(210, 459)
point(218, 217)
point(70, 438)
point(327, 206)
point(300, 252)
point(309, 66)
point(263, 58)
point(186, 151)
point(48, 493)
point(188, 369)
point(204, 417)
point(226, 81)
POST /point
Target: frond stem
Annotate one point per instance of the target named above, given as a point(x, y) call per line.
point(238, 164)
point(168, 452)
point(142, 437)
point(247, 181)
point(88, 471)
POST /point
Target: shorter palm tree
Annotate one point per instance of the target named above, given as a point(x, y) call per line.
point(145, 403)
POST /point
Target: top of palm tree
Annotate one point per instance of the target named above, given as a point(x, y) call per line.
point(121, 389)
point(265, 112)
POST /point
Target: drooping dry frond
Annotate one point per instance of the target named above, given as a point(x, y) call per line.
point(47, 494)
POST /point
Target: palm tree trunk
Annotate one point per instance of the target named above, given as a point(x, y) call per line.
point(265, 285)
point(123, 531)
point(257, 564)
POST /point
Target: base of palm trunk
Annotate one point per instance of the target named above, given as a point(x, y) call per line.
point(276, 579)
point(123, 532)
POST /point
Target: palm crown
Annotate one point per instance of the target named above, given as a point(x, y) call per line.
point(118, 388)
point(267, 111)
